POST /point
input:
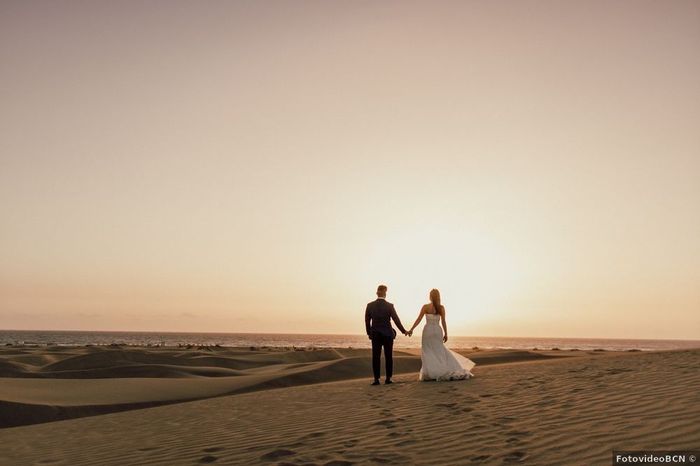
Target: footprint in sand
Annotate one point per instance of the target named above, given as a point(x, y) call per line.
point(212, 449)
point(446, 405)
point(276, 454)
point(379, 459)
point(148, 448)
point(388, 423)
point(207, 459)
point(405, 443)
point(514, 457)
point(518, 433)
point(618, 371)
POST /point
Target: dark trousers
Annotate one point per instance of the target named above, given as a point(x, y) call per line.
point(379, 341)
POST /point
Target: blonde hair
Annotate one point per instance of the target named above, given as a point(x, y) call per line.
point(435, 299)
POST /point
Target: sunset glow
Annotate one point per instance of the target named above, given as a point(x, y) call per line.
point(262, 167)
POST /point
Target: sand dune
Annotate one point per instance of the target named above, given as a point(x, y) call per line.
point(47, 384)
point(565, 410)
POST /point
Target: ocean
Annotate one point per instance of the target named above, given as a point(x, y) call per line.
point(81, 338)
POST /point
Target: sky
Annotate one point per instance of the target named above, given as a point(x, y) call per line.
point(248, 166)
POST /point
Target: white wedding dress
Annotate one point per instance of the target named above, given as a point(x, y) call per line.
point(439, 362)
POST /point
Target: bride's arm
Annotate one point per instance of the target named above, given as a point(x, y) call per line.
point(444, 324)
point(420, 316)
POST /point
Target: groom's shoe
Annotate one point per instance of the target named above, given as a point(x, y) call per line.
point(376, 382)
point(387, 382)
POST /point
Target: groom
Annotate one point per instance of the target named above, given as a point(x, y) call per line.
point(378, 317)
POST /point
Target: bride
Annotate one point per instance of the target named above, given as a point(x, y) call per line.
point(439, 362)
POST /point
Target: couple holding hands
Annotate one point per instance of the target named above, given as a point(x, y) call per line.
point(438, 362)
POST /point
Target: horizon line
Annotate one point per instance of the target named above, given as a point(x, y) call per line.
point(340, 334)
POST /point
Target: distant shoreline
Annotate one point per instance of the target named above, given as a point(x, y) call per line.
point(291, 341)
point(175, 332)
point(313, 348)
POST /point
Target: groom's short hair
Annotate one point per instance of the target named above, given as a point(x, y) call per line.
point(381, 289)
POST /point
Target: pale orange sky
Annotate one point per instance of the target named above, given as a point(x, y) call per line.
point(262, 166)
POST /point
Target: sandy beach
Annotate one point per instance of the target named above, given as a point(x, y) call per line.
point(266, 406)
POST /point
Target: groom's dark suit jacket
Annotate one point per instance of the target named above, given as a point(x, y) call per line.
point(378, 318)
